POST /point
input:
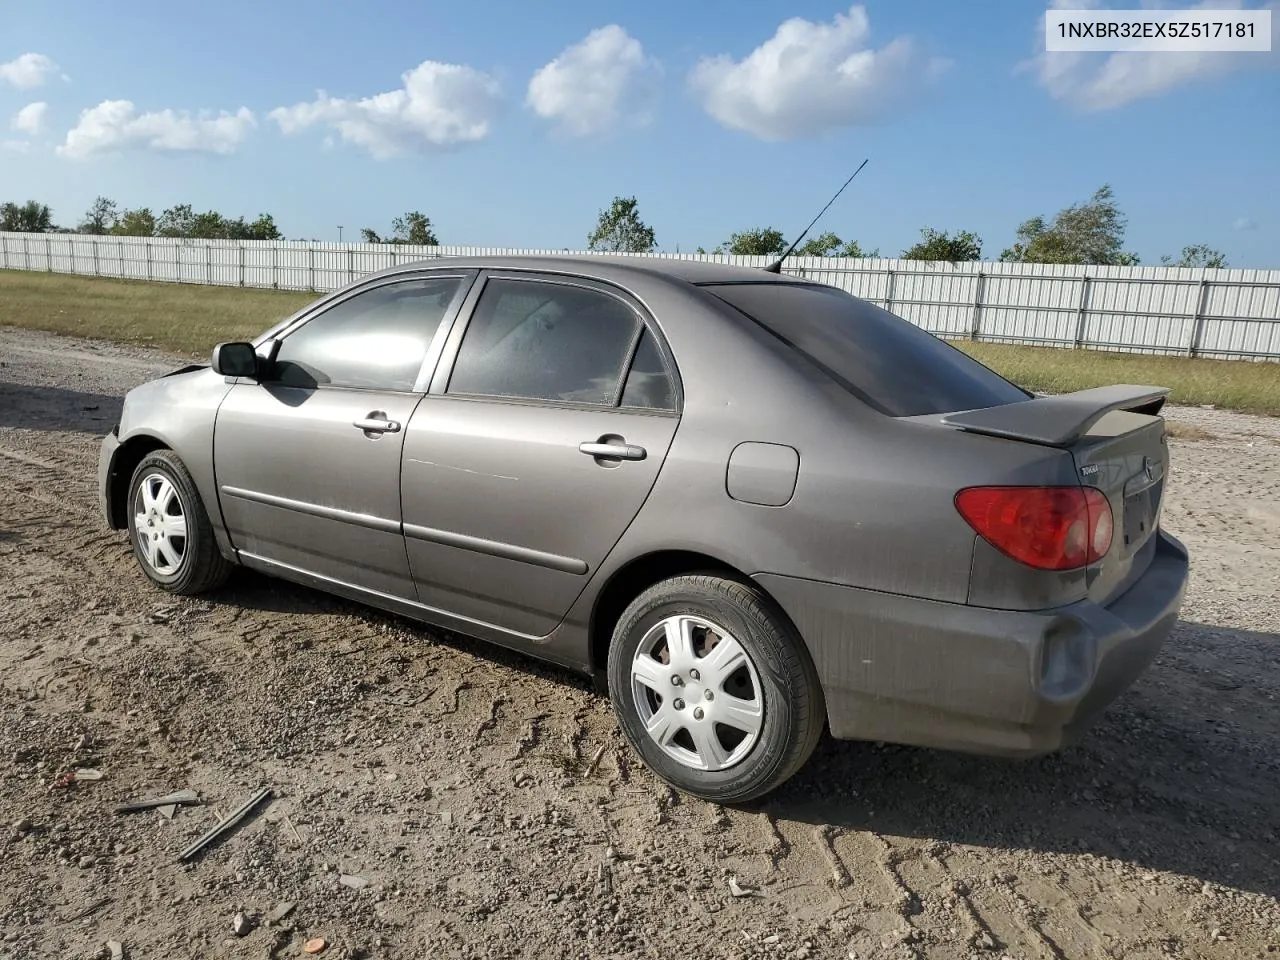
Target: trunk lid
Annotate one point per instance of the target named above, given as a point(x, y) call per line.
point(1117, 440)
point(1125, 455)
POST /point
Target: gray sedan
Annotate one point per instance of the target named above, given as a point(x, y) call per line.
point(750, 506)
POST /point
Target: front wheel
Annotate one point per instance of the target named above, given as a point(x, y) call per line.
point(172, 538)
point(714, 688)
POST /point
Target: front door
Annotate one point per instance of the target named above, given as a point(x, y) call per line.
point(521, 475)
point(308, 460)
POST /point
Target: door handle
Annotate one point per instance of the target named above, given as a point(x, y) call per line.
point(613, 451)
point(375, 424)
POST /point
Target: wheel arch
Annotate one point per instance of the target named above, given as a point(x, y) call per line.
point(126, 460)
point(639, 574)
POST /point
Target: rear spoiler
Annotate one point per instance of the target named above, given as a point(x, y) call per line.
point(1061, 420)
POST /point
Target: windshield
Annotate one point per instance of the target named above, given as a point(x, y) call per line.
point(889, 363)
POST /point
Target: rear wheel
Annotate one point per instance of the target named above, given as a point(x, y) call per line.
point(170, 530)
point(713, 688)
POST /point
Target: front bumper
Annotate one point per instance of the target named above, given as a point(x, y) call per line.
point(107, 479)
point(997, 682)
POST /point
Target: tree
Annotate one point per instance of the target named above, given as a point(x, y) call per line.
point(1197, 255)
point(620, 229)
point(177, 221)
point(1091, 232)
point(209, 225)
point(101, 217)
point(414, 229)
point(264, 228)
point(182, 221)
point(757, 242)
point(30, 217)
point(938, 245)
point(136, 223)
point(854, 251)
point(824, 245)
point(829, 245)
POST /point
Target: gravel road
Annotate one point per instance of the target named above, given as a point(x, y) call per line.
point(437, 798)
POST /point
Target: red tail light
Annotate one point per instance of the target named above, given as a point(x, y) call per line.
point(1049, 528)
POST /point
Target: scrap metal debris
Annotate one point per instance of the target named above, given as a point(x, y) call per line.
point(226, 825)
point(316, 945)
point(181, 798)
point(65, 781)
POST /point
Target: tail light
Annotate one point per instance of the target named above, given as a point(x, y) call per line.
point(1049, 528)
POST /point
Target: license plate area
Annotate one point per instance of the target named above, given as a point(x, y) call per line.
point(1141, 515)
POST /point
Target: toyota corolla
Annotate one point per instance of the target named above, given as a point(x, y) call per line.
point(751, 506)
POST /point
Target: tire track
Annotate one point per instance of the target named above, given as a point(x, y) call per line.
point(826, 836)
point(881, 917)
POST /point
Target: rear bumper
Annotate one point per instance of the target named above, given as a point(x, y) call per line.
point(996, 682)
point(107, 478)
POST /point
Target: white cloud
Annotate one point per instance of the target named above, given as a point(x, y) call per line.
point(15, 146)
point(440, 105)
point(27, 71)
point(1105, 81)
point(117, 124)
point(810, 77)
point(30, 119)
point(596, 84)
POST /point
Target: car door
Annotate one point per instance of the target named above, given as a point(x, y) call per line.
point(308, 460)
point(544, 430)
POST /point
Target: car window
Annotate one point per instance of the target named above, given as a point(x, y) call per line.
point(376, 340)
point(545, 341)
point(648, 382)
point(890, 363)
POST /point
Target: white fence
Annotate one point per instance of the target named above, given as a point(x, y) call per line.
point(1164, 310)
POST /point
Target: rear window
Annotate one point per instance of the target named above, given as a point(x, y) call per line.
point(889, 363)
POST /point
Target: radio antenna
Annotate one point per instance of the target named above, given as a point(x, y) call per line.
point(776, 267)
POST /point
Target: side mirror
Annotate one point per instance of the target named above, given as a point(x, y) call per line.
point(235, 359)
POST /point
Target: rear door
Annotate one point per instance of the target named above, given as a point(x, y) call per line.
point(308, 460)
point(545, 428)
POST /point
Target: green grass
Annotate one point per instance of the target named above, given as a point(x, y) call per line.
point(1244, 385)
point(190, 319)
point(183, 318)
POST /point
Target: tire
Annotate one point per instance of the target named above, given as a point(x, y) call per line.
point(185, 565)
point(772, 686)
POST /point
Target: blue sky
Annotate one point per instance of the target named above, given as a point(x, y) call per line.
point(514, 123)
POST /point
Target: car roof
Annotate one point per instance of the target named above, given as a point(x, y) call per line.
point(605, 266)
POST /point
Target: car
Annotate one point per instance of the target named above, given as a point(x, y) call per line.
point(751, 507)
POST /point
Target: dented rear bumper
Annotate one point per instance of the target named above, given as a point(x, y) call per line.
point(997, 682)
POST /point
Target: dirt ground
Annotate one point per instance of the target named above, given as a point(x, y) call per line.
point(457, 782)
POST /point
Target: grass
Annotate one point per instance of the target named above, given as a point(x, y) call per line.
point(1244, 385)
point(189, 319)
point(183, 318)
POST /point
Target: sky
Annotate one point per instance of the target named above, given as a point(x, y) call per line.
point(515, 124)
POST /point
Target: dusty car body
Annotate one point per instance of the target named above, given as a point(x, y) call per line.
point(750, 505)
